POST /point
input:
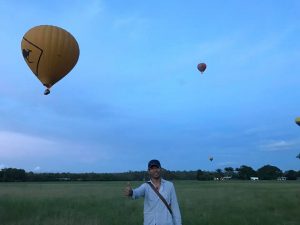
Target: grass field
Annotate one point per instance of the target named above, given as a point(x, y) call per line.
point(103, 203)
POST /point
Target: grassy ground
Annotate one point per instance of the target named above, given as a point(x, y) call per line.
point(102, 203)
point(240, 203)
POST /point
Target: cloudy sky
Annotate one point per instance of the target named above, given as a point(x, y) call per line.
point(136, 94)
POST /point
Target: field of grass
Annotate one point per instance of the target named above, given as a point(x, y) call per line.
point(103, 203)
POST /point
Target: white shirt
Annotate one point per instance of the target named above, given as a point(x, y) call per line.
point(155, 211)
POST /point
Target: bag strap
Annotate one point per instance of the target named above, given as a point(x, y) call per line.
point(161, 197)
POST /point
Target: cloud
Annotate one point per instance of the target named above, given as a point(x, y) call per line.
point(2, 166)
point(266, 48)
point(129, 21)
point(89, 11)
point(226, 163)
point(255, 130)
point(36, 169)
point(131, 26)
point(20, 146)
point(217, 45)
point(94, 8)
point(31, 150)
point(16, 145)
point(280, 145)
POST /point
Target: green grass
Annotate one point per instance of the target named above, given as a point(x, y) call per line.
point(240, 203)
point(103, 203)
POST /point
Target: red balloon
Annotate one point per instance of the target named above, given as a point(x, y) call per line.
point(201, 67)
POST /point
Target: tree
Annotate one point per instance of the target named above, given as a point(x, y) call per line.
point(219, 173)
point(291, 174)
point(245, 172)
point(12, 174)
point(229, 171)
point(269, 172)
point(204, 175)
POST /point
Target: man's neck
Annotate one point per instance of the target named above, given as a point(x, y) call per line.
point(156, 181)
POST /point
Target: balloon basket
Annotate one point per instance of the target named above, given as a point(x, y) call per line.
point(47, 91)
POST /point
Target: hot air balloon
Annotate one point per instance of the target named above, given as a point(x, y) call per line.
point(297, 120)
point(211, 158)
point(50, 52)
point(201, 67)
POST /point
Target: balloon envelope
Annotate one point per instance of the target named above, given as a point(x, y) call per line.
point(211, 158)
point(201, 67)
point(297, 120)
point(50, 52)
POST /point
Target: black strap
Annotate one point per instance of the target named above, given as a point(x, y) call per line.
point(161, 197)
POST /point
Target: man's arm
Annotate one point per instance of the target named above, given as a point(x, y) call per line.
point(134, 193)
point(175, 207)
point(139, 192)
point(128, 190)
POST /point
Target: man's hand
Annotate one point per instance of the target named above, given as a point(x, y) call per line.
point(128, 190)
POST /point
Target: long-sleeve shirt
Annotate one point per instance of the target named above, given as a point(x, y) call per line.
point(155, 211)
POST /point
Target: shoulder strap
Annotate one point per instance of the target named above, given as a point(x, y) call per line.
point(161, 197)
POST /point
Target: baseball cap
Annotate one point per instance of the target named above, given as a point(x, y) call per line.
point(154, 162)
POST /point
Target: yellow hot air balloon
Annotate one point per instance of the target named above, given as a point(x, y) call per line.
point(297, 120)
point(50, 52)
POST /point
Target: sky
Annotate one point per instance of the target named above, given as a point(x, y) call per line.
point(135, 93)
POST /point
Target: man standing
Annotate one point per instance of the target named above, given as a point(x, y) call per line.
point(160, 201)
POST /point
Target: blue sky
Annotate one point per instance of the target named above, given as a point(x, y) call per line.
point(136, 94)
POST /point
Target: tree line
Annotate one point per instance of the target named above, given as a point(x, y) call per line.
point(267, 172)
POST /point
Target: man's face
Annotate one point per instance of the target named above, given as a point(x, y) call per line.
point(154, 172)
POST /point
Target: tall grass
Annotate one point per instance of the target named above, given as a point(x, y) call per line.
point(103, 203)
point(240, 203)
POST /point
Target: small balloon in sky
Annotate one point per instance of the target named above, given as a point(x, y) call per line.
point(201, 67)
point(297, 120)
point(211, 158)
point(50, 52)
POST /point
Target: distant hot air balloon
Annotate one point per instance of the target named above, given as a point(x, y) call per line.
point(201, 67)
point(211, 158)
point(50, 52)
point(297, 120)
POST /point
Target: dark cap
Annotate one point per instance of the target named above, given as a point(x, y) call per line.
point(154, 162)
